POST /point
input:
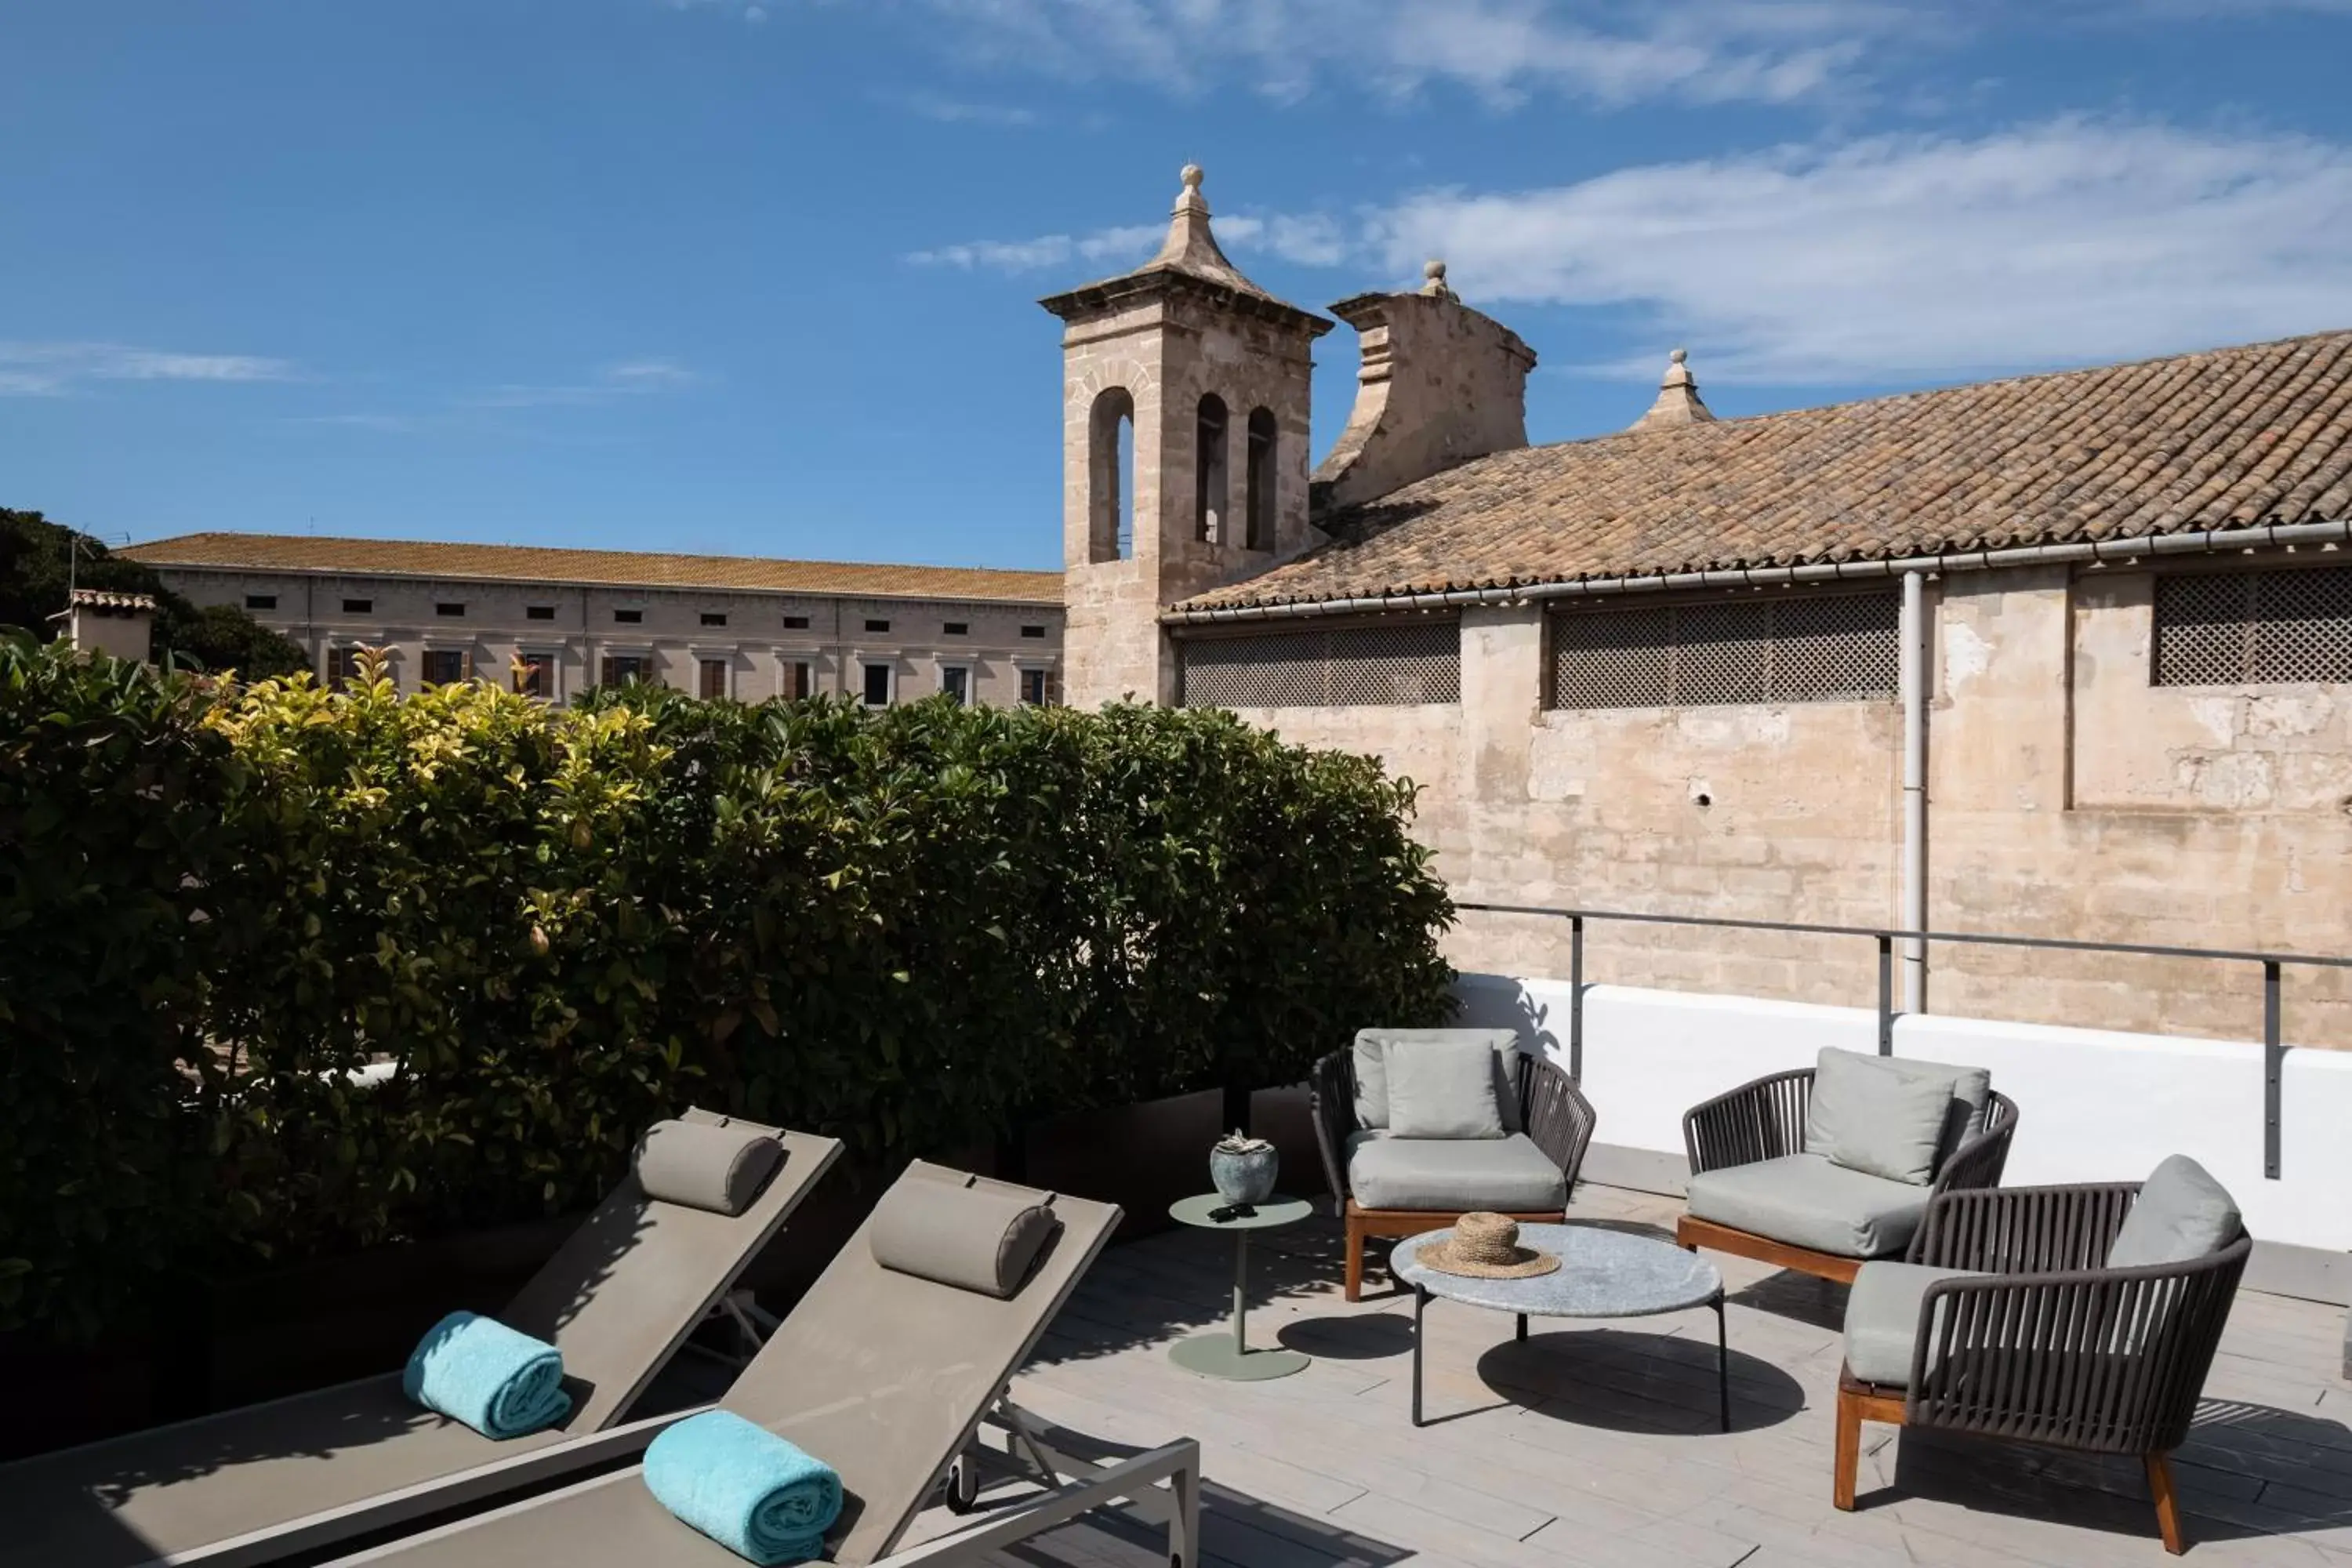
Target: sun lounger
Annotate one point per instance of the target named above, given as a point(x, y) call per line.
point(884, 1375)
point(257, 1484)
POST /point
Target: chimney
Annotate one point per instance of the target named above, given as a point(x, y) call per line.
point(1441, 384)
point(119, 624)
point(1678, 402)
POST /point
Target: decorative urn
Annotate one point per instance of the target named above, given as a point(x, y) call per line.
point(1243, 1168)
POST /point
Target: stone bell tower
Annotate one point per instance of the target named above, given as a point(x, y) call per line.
point(1184, 448)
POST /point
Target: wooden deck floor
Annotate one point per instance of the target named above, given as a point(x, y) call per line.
point(1598, 1443)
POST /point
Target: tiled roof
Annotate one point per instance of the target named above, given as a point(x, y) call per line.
point(613, 568)
point(106, 599)
point(2232, 437)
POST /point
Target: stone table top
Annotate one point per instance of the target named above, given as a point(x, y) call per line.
point(1601, 1274)
point(1277, 1210)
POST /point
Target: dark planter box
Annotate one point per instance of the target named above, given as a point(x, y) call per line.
point(1140, 1157)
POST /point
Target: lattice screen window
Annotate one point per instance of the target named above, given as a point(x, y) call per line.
point(1833, 647)
point(1380, 664)
point(2246, 629)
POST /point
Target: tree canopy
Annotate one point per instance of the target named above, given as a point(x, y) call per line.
point(37, 567)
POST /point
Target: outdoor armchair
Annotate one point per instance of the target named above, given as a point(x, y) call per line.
point(2049, 1315)
point(1766, 1184)
point(1391, 1186)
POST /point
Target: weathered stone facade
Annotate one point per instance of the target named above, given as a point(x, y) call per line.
point(2068, 792)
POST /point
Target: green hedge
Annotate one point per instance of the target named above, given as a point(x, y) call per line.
point(911, 929)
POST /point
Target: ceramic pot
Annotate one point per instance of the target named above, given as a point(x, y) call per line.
point(1244, 1177)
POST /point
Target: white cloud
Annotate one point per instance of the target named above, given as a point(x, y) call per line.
point(2060, 243)
point(34, 370)
point(1312, 239)
point(628, 378)
point(1608, 52)
point(960, 111)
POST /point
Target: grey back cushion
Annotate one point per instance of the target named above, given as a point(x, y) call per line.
point(1443, 1088)
point(1888, 1123)
point(714, 1165)
point(1971, 1089)
point(973, 1238)
point(1372, 1077)
point(2181, 1213)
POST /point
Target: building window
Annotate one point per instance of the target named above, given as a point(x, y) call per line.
point(877, 626)
point(534, 675)
point(342, 666)
point(628, 617)
point(1831, 648)
point(539, 612)
point(878, 686)
point(1110, 477)
point(714, 617)
point(795, 623)
point(444, 665)
point(261, 601)
point(955, 684)
point(359, 607)
point(1260, 479)
point(804, 680)
point(2254, 628)
point(1209, 497)
point(626, 669)
point(1039, 688)
point(1033, 632)
point(450, 609)
point(956, 629)
point(1392, 663)
point(713, 679)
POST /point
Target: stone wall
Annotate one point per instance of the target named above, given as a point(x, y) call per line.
point(2068, 798)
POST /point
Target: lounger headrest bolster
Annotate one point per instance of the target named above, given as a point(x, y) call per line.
point(717, 1166)
point(973, 1238)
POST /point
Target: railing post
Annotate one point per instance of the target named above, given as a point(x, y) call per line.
point(1885, 995)
point(2273, 1068)
point(1576, 998)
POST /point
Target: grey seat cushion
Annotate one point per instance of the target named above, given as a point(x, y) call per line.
point(1970, 1087)
point(1443, 1088)
point(1371, 1070)
point(2181, 1213)
point(1805, 1201)
point(1882, 1319)
point(1454, 1175)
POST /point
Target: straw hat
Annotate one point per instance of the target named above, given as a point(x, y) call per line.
point(1485, 1247)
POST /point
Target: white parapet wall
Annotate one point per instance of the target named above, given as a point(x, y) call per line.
point(2093, 1105)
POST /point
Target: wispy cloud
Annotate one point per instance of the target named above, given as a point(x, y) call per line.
point(629, 378)
point(1310, 240)
point(39, 369)
point(963, 111)
point(1898, 256)
point(1610, 53)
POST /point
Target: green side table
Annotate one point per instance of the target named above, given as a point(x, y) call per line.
point(1228, 1355)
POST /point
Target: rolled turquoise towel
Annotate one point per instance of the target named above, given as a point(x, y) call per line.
point(501, 1383)
point(744, 1487)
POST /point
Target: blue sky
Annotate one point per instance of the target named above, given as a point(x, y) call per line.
point(760, 278)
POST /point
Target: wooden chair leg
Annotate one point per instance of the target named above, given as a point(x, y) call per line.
point(1848, 1457)
point(2167, 1506)
point(1355, 1260)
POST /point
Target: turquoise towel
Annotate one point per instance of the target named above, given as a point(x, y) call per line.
point(475, 1368)
point(744, 1487)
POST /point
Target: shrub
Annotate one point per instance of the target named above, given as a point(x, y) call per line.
point(911, 929)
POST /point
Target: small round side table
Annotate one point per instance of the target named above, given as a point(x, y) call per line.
point(1219, 1354)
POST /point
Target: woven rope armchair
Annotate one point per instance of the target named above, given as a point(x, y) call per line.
point(1765, 1119)
point(2052, 1347)
point(1553, 1112)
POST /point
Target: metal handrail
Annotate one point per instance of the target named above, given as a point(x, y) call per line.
point(2274, 964)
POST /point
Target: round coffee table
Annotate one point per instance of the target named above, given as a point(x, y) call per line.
point(1220, 1353)
point(1601, 1274)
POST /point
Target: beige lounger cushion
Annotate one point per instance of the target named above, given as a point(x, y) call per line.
point(717, 1166)
point(976, 1238)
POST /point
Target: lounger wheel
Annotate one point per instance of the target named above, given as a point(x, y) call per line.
point(964, 1486)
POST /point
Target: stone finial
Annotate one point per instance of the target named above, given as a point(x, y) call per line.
point(1433, 273)
point(1190, 246)
point(1678, 401)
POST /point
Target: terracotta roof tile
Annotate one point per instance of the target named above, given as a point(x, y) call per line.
point(2232, 437)
point(613, 568)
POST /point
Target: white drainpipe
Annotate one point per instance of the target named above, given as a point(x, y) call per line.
point(1912, 637)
